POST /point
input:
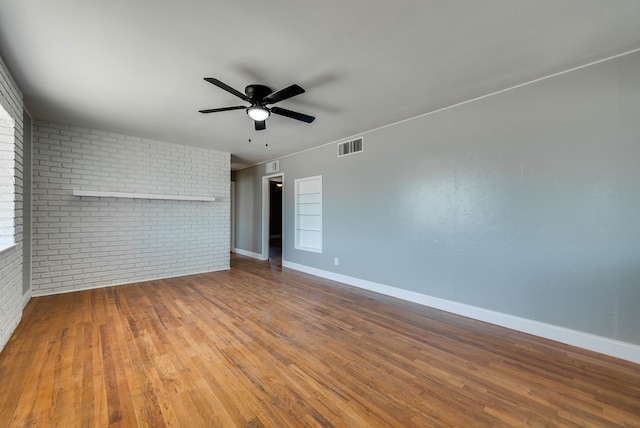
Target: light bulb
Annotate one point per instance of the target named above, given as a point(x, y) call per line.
point(258, 113)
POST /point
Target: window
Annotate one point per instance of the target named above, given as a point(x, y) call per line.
point(7, 170)
point(308, 204)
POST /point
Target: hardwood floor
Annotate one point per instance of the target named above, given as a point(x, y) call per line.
point(256, 346)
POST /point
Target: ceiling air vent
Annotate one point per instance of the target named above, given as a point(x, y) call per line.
point(273, 166)
point(350, 147)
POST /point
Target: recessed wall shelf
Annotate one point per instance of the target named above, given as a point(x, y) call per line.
point(95, 193)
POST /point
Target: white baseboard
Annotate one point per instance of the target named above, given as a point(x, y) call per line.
point(135, 281)
point(248, 253)
point(26, 297)
point(603, 345)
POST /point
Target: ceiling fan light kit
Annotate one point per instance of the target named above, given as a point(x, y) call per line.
point(258, 113)
point(259, 96)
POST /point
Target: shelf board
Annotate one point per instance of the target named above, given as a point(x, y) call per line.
point(98, 194)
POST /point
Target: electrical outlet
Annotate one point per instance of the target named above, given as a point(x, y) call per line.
point(335, 261)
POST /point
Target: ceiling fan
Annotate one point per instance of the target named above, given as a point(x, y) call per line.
point(260, 96)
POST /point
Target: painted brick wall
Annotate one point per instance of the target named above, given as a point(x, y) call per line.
point(86, 242)
point(11, 258)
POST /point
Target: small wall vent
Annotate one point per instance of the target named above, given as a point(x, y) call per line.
point(273, 166)
point(350, 147)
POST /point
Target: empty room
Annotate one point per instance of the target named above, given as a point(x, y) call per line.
point(319, 214)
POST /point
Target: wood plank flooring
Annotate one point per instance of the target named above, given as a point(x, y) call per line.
point(257, 346)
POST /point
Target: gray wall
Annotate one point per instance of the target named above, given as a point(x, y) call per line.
point(248, 210)
point(11, 258)
point(90, 242)
point(525, 202)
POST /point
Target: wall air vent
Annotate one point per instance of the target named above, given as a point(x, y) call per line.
point(350, 147)
point(273, 166)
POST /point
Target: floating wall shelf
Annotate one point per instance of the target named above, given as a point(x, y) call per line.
point(95, 193)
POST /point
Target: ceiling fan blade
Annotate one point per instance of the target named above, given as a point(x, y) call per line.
point(283, 94)
point(214, 110)
point(260, 125)
point(226, 87)
point(292, 114)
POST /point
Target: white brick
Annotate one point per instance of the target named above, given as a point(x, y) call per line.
point(103, 241)
point(11, 259)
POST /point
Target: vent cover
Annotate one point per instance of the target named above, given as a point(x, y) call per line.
point(350, 147)
point(273, 166)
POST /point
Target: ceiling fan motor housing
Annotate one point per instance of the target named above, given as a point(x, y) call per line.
point(257, 92)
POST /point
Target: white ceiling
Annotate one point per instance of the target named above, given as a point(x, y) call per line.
point(137, 66)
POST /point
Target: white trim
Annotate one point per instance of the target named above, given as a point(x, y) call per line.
point(26, 297)
point(233, 214)
point(455, 105)
point(99, 194)
point(603, 345)
point(248, 253)
point(8, 248)
point(265, 213)
point(135, 281)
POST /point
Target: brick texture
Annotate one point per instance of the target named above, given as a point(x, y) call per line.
point(87, 242)
point(11, 258)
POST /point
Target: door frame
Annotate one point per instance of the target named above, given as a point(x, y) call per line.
point(265, 213)
point(232, 244)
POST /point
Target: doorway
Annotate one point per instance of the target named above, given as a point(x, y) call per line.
point(272, 219)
